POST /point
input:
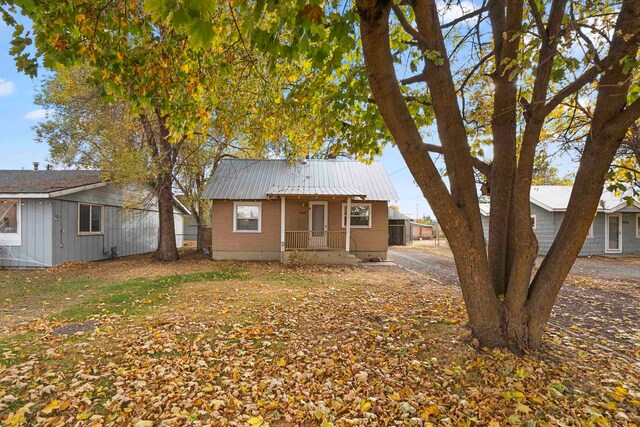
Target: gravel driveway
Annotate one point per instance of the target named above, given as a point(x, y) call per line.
point(601, 296)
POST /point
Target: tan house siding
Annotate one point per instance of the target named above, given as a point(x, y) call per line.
point(365, 242)
point(226, 244)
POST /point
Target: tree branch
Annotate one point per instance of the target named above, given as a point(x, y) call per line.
point(407, 26)
point(465, 17)
point(536, 16)
point(482, 167)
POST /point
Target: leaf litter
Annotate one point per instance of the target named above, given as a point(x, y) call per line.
point(307, 346)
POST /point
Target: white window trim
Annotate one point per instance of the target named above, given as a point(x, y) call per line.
point(14, 239)
point(235, 211)
point(590, 235)
point(535, 222)
point(91, 233)
point(638, 226)
point(344, 215)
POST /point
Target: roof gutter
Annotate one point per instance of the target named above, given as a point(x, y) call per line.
point(53, 194)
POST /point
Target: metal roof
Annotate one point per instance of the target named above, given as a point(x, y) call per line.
point(45, 181)
point(253, 179)
point(314, 191)
point(395, 214)
point(555, 198)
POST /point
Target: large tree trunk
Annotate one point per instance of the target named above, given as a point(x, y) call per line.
point(505, 306)
point(167, 248)
point(164, 153)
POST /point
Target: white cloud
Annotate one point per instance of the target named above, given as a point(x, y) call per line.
point(37, 114)
point(6, 87)
point(449, 11)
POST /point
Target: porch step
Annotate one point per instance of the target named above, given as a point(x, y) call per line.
point(319, 257)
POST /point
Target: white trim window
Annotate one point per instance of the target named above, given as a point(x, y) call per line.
point(90, 219)
point(247, 217)
point(590, 235)
point(10, 219)
point(360, 215)
point(534, 222)
point(638, 226)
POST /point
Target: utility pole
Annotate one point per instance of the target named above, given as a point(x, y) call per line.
point(417, 216)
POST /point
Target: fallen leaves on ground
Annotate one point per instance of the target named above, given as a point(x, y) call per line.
point(331, 348)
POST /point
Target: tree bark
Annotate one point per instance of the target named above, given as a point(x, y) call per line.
point(505, 306)
point(164, 153)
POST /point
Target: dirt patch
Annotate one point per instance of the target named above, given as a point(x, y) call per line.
point(75, 327)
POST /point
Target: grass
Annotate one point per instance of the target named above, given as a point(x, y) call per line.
point(137, 296)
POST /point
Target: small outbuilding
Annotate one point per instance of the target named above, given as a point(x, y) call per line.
point(399, 228)
point(421, 231)
point(49, 217)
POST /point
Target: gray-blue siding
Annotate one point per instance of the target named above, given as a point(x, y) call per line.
point(548, 224)
point(36, 247)
point(50, 230)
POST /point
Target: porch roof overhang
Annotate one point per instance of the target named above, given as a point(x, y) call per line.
point(315, 191)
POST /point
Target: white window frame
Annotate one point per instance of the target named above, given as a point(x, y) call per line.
point(638, 226)
point(14, 239)
point(535, 222)
point(235, 214)
point(344, 215)
point(91, 233)
point(590, 235)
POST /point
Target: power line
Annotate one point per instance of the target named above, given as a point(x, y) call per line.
point(399, 170)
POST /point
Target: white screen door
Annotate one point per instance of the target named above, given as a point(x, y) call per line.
point(613, 243)
point(318, 224)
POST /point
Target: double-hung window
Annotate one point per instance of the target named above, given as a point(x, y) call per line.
point(534, 221)
point(247, 217)
point(638, 226)
point(90, 219)
point(10, 222)
point(360, 215)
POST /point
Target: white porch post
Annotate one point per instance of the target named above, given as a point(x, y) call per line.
point(282, 217)
point(348, 226)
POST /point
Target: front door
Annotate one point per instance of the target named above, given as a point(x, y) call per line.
point(318, 224)
point(613, 234)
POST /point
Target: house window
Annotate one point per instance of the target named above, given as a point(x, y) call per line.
point(590, 235)
point(89, 219)
point(10, 230)
point(638, 226)
point(534, 222)
point(360, 215)
point(247, 217)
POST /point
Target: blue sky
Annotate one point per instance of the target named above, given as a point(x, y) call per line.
point(17, 112)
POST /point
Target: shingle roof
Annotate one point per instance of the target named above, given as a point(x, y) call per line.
point(45, 181)
point(556, 198)
point(251, 179)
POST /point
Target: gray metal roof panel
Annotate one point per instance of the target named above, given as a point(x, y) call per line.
point(251, 179)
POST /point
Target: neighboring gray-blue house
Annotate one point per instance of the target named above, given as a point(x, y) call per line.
point(51, 216)
point(615, 228)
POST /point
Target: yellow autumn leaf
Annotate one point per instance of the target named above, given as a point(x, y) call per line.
point(83, 416)
point(256, 421)
point(282, 362)
point(185, 68)
point(55, 404)
point(16, 419)
point(364, 405)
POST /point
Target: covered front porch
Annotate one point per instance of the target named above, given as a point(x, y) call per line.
point(317, 222)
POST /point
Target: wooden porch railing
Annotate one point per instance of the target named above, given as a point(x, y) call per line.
point(314, 240)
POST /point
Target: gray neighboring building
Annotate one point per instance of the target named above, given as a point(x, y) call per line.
point(399, 228)
point(615, 228)
point(52, 216)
